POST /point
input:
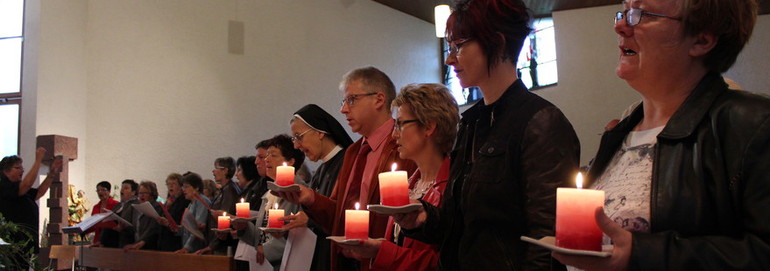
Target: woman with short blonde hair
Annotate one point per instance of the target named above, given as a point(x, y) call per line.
point(432, 103)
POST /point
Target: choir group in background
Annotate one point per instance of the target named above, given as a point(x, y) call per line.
point(684, 175)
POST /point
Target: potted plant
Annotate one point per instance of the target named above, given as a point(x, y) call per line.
point(12, 252)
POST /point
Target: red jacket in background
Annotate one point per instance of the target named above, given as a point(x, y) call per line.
point(102, 225)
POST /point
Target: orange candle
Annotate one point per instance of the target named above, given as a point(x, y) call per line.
point(223, 222)
point(242, 209)
point(575, 221)
point(356, 223)
point(284, 175)
point(273, 215)
point(394, 188)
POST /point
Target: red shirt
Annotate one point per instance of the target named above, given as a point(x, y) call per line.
point(413, 254)
point(102, 225)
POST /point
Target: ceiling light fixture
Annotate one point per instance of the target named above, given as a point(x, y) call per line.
point(441, 13)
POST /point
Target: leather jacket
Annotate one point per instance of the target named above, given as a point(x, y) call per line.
point(508, 160)
point(710, 190)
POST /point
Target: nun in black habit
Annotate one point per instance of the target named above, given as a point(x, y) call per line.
point(322, 138)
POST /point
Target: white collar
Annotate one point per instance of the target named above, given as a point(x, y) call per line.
point(332, 153)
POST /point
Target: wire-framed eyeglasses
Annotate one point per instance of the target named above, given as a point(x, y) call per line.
point(298, 138)
point(351, 99)
point(455, 46)
point(634, 15)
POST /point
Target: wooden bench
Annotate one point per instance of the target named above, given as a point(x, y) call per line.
point(119, 259)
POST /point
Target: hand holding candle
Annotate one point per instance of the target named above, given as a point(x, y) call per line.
point(242, 209)
point(394, 187)
point(575, 223)
point(356, 224)
point(223, 222)
point(273, 215)
point(284, 175)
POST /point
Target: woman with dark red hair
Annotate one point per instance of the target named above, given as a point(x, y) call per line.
point(513, 150)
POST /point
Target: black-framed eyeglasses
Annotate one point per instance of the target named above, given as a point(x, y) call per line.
point(455, 46)
point(400, 124)
point(634, 16)
point(298, 138)
point(351, 99)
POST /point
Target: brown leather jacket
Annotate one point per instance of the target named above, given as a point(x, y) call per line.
point(509, 158)
point(710, 183)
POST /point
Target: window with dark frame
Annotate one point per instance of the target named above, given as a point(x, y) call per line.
point(11, 40)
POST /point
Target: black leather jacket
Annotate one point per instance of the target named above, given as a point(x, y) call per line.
point(508, 160)
point(710, 198)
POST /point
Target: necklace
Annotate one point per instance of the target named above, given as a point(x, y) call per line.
point(420, 188)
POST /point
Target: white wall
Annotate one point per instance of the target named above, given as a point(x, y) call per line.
point(149, 87)
point(54, 82)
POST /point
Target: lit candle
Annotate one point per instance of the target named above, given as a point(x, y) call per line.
point(575, 221)
point(356, 223)
point(273, 215)
point(284, 175)
point(223, 222)
point(394, 187)
point(242, 209)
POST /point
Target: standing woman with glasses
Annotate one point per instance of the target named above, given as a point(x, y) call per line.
point(425, 129)
point(106, 202)
point(692, 160)
point(513, 150)
point(224, 170)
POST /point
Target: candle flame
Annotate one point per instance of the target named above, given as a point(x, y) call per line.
point(284, 164)
point(241, 200)
point(393, 168)
point(579, 180)
point(357, 205)
point(224, 213)
point(275, 206)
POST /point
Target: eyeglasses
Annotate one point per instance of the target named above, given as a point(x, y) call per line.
point(455, 46)
point(351, 100)
point(220, 168)
point(400, 124)
point(634, 16)
point(298, 138)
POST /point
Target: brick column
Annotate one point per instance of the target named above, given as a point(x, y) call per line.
point(67, 147)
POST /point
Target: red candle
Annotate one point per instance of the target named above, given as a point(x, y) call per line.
point(273, 215)
point(242, 209)
point(394, 188)
point(223, 222)
point(284, 175)
point(356, 224)
point(575, 221)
